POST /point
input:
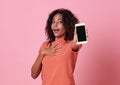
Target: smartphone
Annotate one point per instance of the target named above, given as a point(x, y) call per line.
point(81, 33)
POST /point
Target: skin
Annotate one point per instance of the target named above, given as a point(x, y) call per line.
point(57, 26)
point(59, 32)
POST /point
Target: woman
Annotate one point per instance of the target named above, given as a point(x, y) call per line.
point(57, 56)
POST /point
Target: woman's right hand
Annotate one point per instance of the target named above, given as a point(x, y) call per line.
point(50, 50)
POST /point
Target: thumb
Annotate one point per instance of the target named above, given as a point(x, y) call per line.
point(75, 36)
point(48, 45)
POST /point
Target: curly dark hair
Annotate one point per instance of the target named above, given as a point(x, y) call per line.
point(69, 21)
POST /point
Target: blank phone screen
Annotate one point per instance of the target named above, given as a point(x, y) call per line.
point(81, 33)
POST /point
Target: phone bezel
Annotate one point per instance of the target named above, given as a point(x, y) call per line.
point(80, 24)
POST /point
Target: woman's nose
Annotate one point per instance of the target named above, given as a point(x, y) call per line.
point(55, 24)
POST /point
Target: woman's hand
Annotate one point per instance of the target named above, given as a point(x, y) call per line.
point(74, 44)
point(49, 50)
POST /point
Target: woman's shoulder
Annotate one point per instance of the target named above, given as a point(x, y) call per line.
point(45, 43)
point(69, 41)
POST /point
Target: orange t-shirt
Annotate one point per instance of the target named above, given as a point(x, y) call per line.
point(58, 69)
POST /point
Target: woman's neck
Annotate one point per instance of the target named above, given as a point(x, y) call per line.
point(59, 39)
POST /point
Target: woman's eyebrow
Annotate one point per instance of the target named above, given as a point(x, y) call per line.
point(58, 19)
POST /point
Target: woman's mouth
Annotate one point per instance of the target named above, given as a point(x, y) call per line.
point(56, 30)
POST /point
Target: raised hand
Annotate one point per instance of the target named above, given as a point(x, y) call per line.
point(49, 50)
point(74, 44)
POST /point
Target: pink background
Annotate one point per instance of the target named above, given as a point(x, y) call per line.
point(22, 24)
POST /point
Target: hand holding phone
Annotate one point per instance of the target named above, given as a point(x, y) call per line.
point(81, 33)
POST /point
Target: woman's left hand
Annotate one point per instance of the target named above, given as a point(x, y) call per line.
point(74, 44)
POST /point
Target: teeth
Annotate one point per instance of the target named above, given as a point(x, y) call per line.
point(56, 29)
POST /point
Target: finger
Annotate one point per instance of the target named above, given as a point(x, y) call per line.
point(75, 35)
point(57, 50)
point(58, 47)
point(54, 50)
point(87, 33)
point(48, 45)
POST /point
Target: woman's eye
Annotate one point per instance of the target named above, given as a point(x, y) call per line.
point(53, 21)
point(60, 21)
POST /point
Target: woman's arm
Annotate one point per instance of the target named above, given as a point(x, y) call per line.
point(37, 66)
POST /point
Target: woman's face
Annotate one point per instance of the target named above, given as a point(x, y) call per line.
point(57, 26)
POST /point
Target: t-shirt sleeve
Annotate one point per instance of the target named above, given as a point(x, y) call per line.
point(44, 44)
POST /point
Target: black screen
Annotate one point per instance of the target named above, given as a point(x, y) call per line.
point(81, 33)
